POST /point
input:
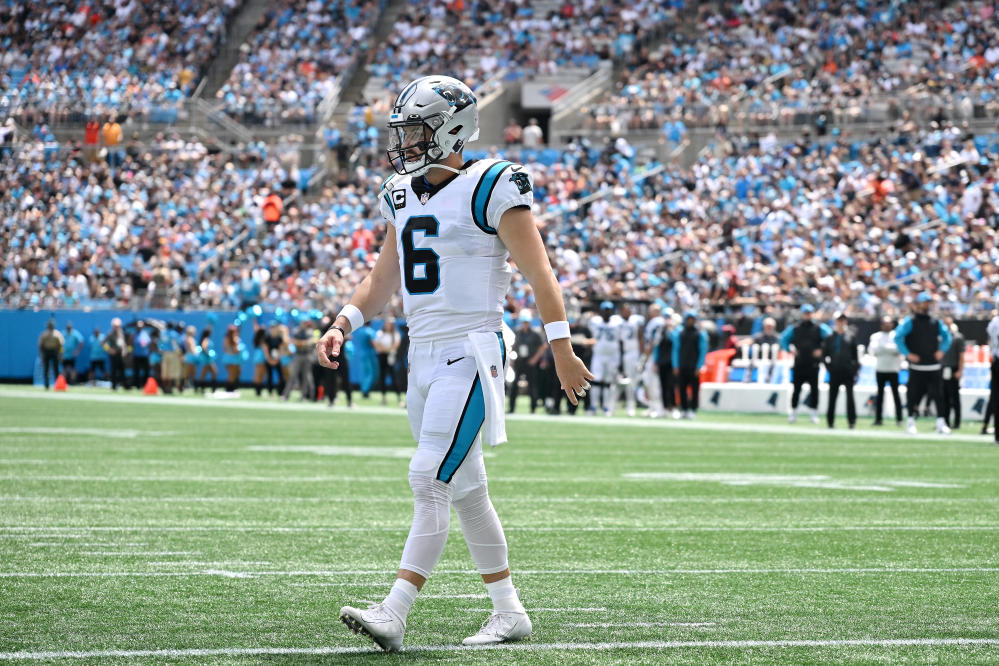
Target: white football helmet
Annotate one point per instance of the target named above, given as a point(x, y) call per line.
point(432, 118)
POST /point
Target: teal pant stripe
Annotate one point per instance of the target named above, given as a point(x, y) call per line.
point(472, 417)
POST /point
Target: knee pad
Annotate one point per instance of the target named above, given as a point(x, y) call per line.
point(482, 530)
point(431, 520)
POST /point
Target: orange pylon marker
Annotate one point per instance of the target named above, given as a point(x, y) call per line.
point(60, 384)
point(151, 388)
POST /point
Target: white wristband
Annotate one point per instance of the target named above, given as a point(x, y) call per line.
point(556, 330)
point(353, 315)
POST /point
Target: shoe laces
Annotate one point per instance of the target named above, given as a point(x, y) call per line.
point(497, 624)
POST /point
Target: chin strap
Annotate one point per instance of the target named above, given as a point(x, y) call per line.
point(446, 168)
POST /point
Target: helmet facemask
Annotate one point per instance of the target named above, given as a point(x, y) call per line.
point(413, 146)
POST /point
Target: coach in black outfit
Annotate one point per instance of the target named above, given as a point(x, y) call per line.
point(806, 337)
point(530, 346)
point(839, 352)
point(923, 340)
point(953, 369)
point(993, 331)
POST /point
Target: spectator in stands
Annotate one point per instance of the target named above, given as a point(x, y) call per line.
point(839, 353)
point(993, 331)
point(952, 369)
point(690, 347)
point(50, 346)
point(532, 136)
point(923, 340)
point(387, 346)
point(529, 347)
point(98, 357)
point(273, 207)
point(72, 345)
point(888, 363)
point(141, 349)
point(91, 140)
point(804, 340)
point(512, 133)
point(111, 134)
point(116, 346)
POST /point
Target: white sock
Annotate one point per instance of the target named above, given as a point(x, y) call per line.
point(400, 599)
point(504, 596)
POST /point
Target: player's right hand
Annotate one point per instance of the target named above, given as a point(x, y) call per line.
point(328, 348)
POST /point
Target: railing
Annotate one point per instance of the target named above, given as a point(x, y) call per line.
point(218, 116)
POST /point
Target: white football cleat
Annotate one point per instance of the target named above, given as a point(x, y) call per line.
point(910, 428)
point(792, 417)
point(815, 417)
point(631, 412)
point(378, 622)
point(942, 428)
point(501, 627)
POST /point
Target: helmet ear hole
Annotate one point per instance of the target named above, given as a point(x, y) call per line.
point(456, 129)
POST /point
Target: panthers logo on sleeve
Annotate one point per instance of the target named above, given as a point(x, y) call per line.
point(522, 181)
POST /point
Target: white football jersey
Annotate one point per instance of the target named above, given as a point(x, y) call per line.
point(607, 334)
point(630, 330)
point(654, 332)
point(453, 265)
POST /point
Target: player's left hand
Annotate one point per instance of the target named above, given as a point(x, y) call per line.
point(575, 378)
point(938, 355)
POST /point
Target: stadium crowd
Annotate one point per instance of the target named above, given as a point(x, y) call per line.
point(857, 226)
point(65, 61)
point(484, 42)
point(759, 62)
point(295, 57)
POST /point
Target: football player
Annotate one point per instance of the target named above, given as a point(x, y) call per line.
point(653, 335)
point(452, 225)
point(631, 354)
point(606, 329)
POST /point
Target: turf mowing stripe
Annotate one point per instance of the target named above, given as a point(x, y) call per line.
point(692, 499)
point(526, 572)
point(582, 420)
point(14, 531)
point(518, 647)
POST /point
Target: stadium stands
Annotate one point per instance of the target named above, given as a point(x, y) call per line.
point(817, 63)
point(855, 226)
point(486, 43)
point(295, 59)
point(64, 61)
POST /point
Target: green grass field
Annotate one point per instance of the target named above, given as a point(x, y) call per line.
point(196, 531)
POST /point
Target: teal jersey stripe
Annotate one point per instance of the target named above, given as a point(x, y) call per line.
point(390, 206)
point(480, 197)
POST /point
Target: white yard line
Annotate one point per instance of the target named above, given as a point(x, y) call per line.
point(115, 433)
point(327, 499)
point(627, 625)
point(598, 609)
point(589, 421)
point(525, 572)
point(512, 647)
